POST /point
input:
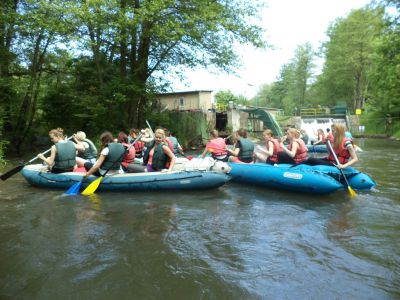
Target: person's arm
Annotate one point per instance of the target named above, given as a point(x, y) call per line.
point(204, 153)
point(292, 152)
point(265, 151)
point(319, 140)
point(169, 153)
point(49, 160)
point(80, 146)
point(353, 159)
point(180, 149)
point(235, 151)
point(96, 166)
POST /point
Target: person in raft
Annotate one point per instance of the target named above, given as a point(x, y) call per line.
point(272, 145)
point(243, 148)
point(329, 134)
point(320, 137)
point(111, 156)
point(177, 148)
point(129, 157)
point(139, 145)
point(90, 151)
point(63, 153)
point(158, 156)
point(342, 146)
point(216, 146)
point(296, 151)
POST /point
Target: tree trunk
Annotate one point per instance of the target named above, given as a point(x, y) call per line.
point(123, 46)
point(28, 106)
point(95, 44)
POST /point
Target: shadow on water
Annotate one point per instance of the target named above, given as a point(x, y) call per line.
point(236, 242)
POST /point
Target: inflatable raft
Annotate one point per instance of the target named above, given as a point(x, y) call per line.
point(301, 178)
point(317, 149)
point(36, 175)
point(323, 149)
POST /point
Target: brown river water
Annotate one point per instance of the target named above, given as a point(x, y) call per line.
point(236, 242)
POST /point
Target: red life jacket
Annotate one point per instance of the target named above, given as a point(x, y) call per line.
point(342, 153)
point(217, 147)
point(301, 153)
point(129, 157)
point(170, 146)
point(277, 148)
point(139, 145)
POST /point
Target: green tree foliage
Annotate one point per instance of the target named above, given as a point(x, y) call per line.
point(224, 97)
point(81, 62)
point(384, 93)
point(289, 92)
point(350, 53)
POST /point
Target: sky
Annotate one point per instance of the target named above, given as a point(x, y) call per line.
point(287, 24)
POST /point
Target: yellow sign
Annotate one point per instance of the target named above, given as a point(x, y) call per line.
point(358, 111)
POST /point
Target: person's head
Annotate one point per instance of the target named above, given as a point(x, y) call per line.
point(159, 136)
point(293, 133)
point(267, 134)
point(80, 136)
point(56, 135)
point(328, 130)
point(134, 132)
point(167, 132)
point(214, 133)
point(242, 133)
point(320, 132)
point(106, 138)
point(338, 133)
point(122, 137)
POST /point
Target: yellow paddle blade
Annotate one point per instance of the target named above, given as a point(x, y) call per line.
point(91, 188)
point(351, 191)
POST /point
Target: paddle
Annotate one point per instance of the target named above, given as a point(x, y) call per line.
point(16, 169)
point(92, 187)
point(351, 191)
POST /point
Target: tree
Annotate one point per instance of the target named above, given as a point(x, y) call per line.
point(224, 97)
point(384, 94)
point(117, 52)
point(148, 39)
point(349, 55)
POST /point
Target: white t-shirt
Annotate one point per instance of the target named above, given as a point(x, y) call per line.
point(105, 152)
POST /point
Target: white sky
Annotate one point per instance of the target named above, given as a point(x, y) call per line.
point(287, 24)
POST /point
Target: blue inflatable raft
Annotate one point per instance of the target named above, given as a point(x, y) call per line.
point(152, 181)
point(317, 149)
point(301, 178)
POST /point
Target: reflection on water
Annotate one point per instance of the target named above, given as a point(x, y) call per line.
point(236, 242)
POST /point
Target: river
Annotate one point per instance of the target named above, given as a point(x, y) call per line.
point(236, 242)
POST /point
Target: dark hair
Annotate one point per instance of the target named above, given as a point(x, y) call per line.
point(122, 137)
point(242, 132)
point(105, 139)
point(134, 130)
point(328, 129)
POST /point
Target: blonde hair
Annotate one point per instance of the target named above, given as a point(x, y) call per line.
point(214, 133)
point(268, 132)
point(161, 132)
point(294, 132)
point(58, 133)
point(80, 136)
point(339, 134)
